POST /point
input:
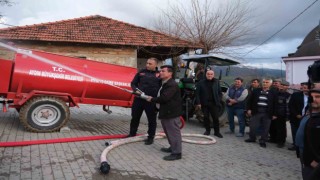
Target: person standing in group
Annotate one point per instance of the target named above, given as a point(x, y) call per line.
point(199, 72)
point(146, 80)
point(208, 99)
point(170, 108)
point(297, 106)
point(280, 133)
point(307, 139)
point(276, 83)
point(235, 100)
point(262, 106)
point(255, 83)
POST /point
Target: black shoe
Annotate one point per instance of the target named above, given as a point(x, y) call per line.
point(218, 135)
point(130, 135)
point(264, 145)
point(167, 150)
point(148, 141)
point(207, 133)
point(249, 140)
point(280, 145)
point(172, 157)
point(292, 148)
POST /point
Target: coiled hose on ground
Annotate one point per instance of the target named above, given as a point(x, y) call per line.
point(105, 167)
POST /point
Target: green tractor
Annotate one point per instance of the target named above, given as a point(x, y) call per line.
point(194, 70)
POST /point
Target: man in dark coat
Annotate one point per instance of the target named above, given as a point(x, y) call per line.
point(255, 83)
point(308, 137)
point(280, 131)
point(262, 106)
point(170, 108)
point(147, 80)
point(208, 98)
point(297, 104)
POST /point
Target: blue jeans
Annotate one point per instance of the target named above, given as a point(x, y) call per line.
point(239, 112)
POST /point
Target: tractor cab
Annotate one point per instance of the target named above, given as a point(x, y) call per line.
point(192, 69)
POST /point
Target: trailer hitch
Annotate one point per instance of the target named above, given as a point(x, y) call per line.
point(5, 103)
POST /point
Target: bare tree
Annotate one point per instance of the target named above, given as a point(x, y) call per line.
point(5, 3)
point(213, 27)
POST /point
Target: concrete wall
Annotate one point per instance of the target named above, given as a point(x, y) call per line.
point(120, 56)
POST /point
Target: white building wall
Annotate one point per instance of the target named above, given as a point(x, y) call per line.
point(296, 68)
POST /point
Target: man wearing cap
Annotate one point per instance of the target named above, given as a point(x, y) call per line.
point(280, 133)
point(307, 139)
point(297, 106)
point(169, 103)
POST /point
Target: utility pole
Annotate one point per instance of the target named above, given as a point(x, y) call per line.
point(281, 68)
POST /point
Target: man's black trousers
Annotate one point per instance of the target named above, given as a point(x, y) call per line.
point(212, 110)
point(278, 130)
point(138, 106)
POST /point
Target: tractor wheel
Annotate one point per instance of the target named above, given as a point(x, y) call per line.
point(223, 116)
point(44, 114)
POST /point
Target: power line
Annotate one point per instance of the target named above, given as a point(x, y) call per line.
point(281, 28)
point(7, 24)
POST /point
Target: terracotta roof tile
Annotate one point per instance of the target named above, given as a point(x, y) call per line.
point(93, 29)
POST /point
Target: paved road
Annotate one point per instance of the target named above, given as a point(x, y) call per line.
point(230, 158)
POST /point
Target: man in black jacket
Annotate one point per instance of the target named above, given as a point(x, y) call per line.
point(308, 136)
point(147, 80)
point(170, 108)
point(280, 133)
point(208, 98)
point(262, 106)
point(297, 104)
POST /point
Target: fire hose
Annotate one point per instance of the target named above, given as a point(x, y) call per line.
point(105, 167)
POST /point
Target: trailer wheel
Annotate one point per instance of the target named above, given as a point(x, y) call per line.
point(44, 114)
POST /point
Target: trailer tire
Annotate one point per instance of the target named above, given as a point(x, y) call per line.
point(44, 114)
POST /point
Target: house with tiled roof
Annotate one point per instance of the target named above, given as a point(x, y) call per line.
point(97, 38)
point(306, 54)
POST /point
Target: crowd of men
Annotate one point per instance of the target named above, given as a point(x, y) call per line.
point(268, 107)
point(265, 107)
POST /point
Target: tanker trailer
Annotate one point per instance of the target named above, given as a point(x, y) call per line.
point(42, 86)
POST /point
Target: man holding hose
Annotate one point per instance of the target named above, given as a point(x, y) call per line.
point(169, 103)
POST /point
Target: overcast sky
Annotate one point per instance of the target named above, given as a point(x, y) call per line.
point(269, 17)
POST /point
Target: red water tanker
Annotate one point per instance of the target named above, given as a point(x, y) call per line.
point(42, 86)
